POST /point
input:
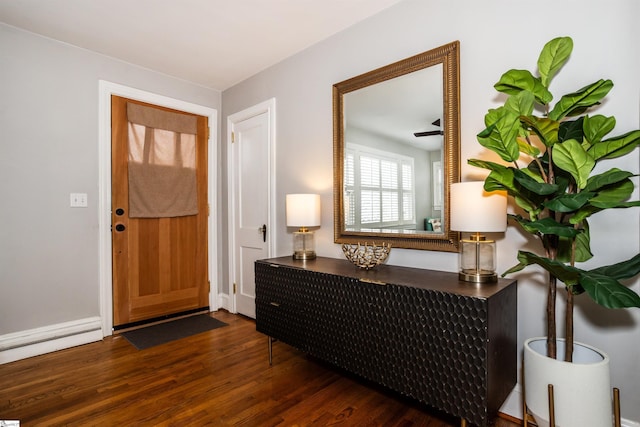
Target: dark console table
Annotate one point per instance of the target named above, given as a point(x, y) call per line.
point(422, 333)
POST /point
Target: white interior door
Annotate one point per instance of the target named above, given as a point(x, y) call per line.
point(250, 194)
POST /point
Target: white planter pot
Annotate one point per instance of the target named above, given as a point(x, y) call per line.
point(582, 389)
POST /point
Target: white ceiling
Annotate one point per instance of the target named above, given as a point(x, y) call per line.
point(215, 43)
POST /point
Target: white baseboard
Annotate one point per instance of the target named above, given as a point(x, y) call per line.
point(34, 342)
point(512, 406)
point(223, 302)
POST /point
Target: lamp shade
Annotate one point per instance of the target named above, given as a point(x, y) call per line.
point(475, 210)
point(302, 210)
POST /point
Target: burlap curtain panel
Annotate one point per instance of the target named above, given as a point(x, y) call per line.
point(162, 163)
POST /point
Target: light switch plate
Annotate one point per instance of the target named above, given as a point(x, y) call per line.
point(78, 200)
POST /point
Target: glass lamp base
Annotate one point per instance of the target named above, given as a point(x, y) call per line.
point(303, 244)
point(477, 260)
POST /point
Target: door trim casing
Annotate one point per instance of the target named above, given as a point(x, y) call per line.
point(269, 107)
point(106, 89)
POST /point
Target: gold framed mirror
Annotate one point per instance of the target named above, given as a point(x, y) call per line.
point(396, 152)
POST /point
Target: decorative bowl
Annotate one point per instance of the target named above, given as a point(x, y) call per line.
point(366, 256)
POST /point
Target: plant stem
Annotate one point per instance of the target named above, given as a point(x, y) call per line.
point(537, 160)
point(568, 321)
point(568, 352)
point(552, 253)
point(551, 318)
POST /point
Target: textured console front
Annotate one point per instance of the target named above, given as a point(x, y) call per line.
point(445, 344)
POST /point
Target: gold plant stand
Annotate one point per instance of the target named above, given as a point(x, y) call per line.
point(530, 421)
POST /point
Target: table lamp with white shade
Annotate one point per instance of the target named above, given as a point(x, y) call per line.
point(473, 210)
point(303, 211)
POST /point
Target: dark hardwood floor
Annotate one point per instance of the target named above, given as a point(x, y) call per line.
point(217, 378)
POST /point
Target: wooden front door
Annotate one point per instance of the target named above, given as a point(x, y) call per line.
point(159, 264)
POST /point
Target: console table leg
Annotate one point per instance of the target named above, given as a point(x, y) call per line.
point(463, 422)
point(270, 351)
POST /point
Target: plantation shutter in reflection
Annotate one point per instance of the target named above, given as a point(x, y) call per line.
point(407, 192)
point(379, 189)
point(162, 163)
point(349, 196)
point(370, 190)
point(389, 191)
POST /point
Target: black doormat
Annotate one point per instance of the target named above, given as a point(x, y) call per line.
point(170, 331)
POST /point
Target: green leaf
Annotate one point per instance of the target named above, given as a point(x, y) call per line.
point(492, 116)
point(571, 129)
point(595, 128)
point(527, 148)
point(514, 269)
point(576, 103)
point(546, 226)
point(553, 56)
point(613, 195)
point(569, 202)
point(485, 164)
point(600, 284)
point(563, 272)
point(608, 292)
point(515, 81)
point(600, 204)
point(521, 103)
point(621, 270)
point(608, 198)
point(533, 173)
point(570, 156)
point(612, 176)
point(500, 137)
point(562, 180)
point(500, 180)
point(529, 206)
point(615, 147)
point(581, 243)
point(540, 188)
point(546, 129)
point(634, 204)
point(583, 246)
point(583, 213)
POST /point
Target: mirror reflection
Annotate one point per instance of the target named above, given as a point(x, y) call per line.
point(393, 154)
point(396, 152)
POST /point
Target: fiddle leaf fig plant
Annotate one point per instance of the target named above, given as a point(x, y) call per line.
point(550, 153)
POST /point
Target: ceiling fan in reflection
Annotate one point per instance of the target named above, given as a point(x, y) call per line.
point(430, 132)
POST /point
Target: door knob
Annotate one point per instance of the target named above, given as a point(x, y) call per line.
point(120, 227)
point(119, 211)
point(263, 229)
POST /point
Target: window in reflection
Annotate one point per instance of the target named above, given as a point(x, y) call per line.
point(379, 189)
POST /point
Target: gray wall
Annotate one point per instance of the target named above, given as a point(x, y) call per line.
point(48, 149)
point(495, 35)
